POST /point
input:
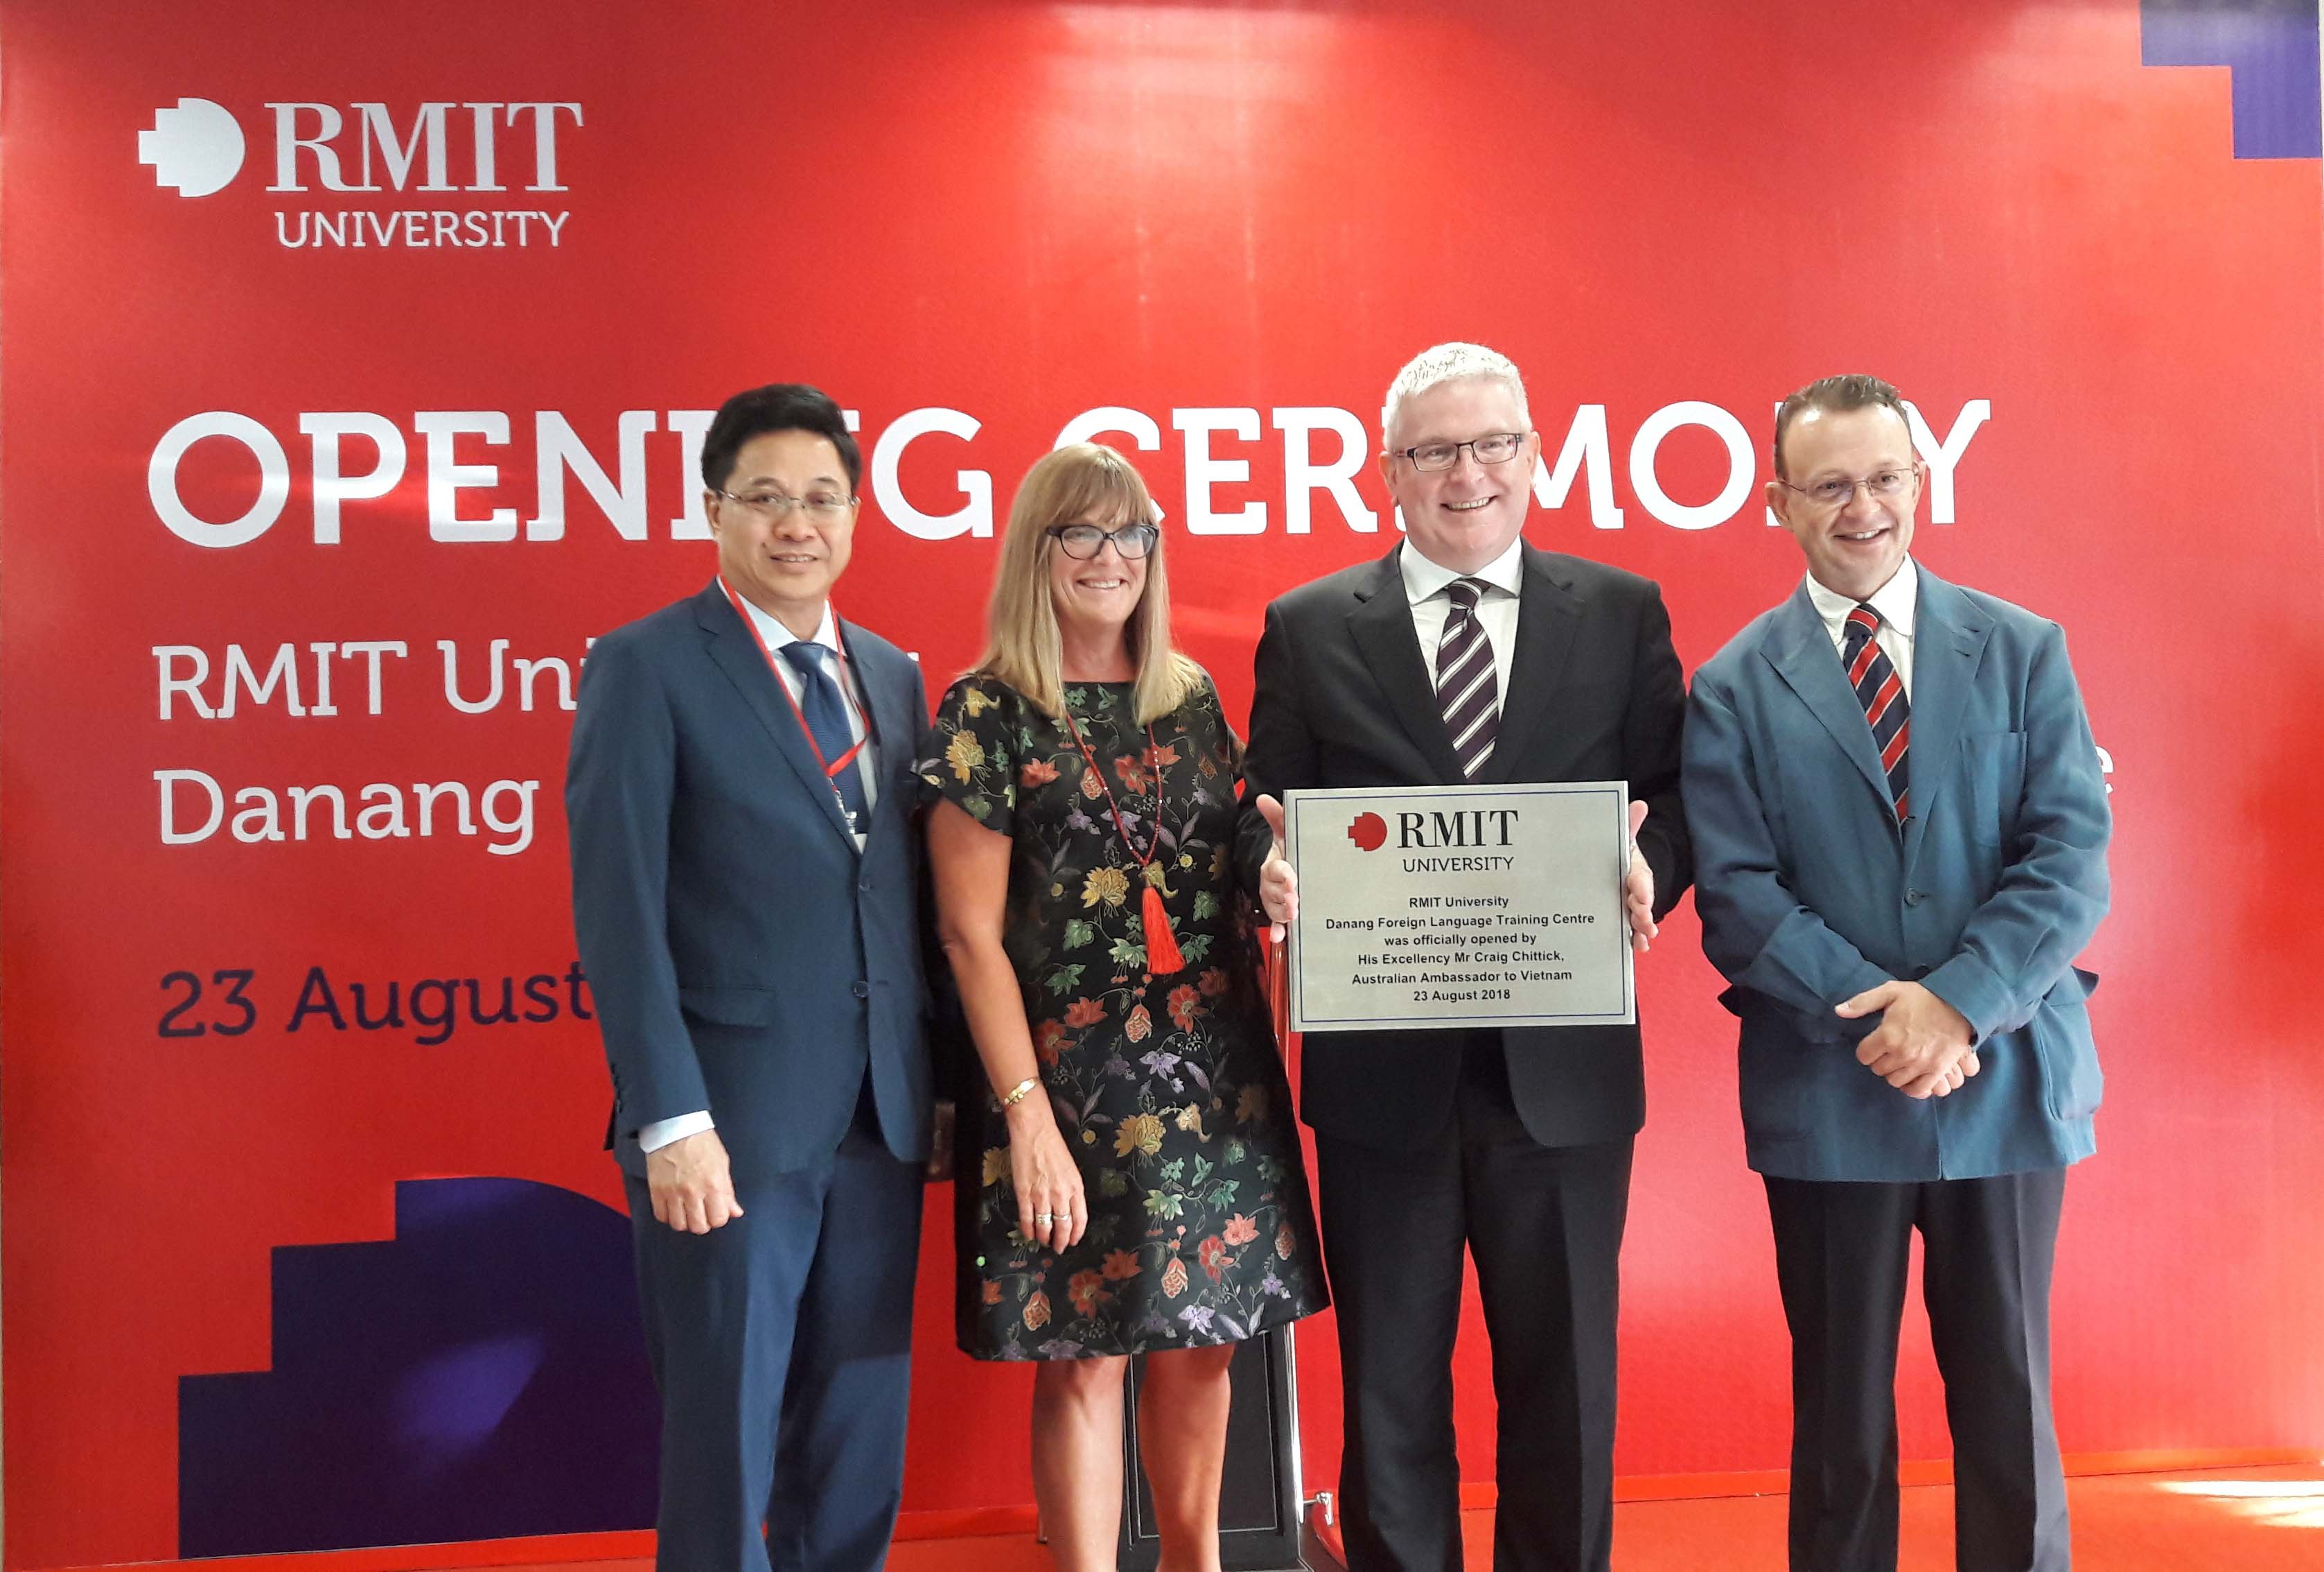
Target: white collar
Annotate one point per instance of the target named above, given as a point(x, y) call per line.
point(1423, 577)
point(772, 632)
point(1893, 600)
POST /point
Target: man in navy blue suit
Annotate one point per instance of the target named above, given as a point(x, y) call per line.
point(744, 879)
point(1900, 830)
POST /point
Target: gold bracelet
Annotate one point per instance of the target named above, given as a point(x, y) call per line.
point(1019, 1091)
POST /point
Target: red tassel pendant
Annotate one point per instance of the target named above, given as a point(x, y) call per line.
point(1162, 956)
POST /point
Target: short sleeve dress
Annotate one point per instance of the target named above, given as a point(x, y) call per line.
point(1169, 1089)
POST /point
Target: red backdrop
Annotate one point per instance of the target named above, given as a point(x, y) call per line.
point(1018, 213)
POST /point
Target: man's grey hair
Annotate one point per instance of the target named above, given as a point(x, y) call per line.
point(1451, 363)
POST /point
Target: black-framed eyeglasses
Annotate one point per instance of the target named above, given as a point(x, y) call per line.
point(1839, 491)
point(1499, 448)
point(825, 507)
point(1084, 541)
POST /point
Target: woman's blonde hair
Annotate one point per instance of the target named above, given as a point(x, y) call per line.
point(1083, 482)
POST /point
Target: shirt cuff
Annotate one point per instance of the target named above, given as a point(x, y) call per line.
point(653, 1137)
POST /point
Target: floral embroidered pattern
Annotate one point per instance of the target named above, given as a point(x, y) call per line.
point(964, 756)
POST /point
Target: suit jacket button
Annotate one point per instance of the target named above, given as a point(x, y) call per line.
point(861, 989)
point(1912, 897)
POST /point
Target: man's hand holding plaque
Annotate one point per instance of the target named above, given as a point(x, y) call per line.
point(1639, 888)
point(1278, 881)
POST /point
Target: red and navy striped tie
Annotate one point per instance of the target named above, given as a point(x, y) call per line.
point(1467, 688)
point(1881, 692)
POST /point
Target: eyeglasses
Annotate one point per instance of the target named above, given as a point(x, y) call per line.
point(1837, 493)
point(772, 506)
point(1084, 541)
point(1498, 448)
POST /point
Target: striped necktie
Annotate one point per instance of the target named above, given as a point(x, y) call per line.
point(1881, 692)
point(1467, 689)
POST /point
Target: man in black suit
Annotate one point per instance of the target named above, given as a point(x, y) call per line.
point(1467, 657)
point(745, 870)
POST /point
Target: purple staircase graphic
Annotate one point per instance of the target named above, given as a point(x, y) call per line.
point(2269, 49)
point(481, 1376)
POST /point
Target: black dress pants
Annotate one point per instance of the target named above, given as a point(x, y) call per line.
point(1841, 1252)
point(1545, 1225)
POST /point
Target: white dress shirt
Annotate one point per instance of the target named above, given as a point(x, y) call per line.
point(772, 637)
point(1426, 585)
point(1895, 601)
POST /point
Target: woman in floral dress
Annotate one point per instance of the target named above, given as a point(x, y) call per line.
point(1132, 1183)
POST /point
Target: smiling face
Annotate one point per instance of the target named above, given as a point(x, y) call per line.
point(1464, 517)
point(1099, 594)
point(1854, 548)
point(787, 566)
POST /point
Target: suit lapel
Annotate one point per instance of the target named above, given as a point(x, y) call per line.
point(1547, 619)
point(1949, 634)
point(1381, 626)
point(734, 645)
point(1801, 654)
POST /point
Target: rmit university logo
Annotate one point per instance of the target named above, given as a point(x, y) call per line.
point(378, 175)
point(195, 147)
point(1462, 827)
point(1467, 828)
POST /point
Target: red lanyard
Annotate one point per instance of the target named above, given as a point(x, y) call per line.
point(1153, 825)
point(831, 767)
point(1162, 955)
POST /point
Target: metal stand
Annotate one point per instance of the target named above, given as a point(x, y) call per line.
point(1319, 1549)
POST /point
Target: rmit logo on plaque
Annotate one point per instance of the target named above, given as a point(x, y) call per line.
point(1476, 827)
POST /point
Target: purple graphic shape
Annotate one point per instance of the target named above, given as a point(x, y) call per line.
point(482, 1375)
point(2269, 49)
point(450, 1406)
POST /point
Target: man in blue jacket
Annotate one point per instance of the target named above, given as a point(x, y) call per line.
point(1900, 830)
point(744, 879)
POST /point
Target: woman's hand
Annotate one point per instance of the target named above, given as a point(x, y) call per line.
point(1051, 1209)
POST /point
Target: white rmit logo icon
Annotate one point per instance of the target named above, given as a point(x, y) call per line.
point(195, 147)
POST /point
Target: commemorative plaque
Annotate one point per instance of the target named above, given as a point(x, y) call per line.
point(1441, 906)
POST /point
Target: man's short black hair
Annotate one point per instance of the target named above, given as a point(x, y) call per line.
point(780, 406)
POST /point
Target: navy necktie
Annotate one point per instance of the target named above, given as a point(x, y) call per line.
point(826, 721)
